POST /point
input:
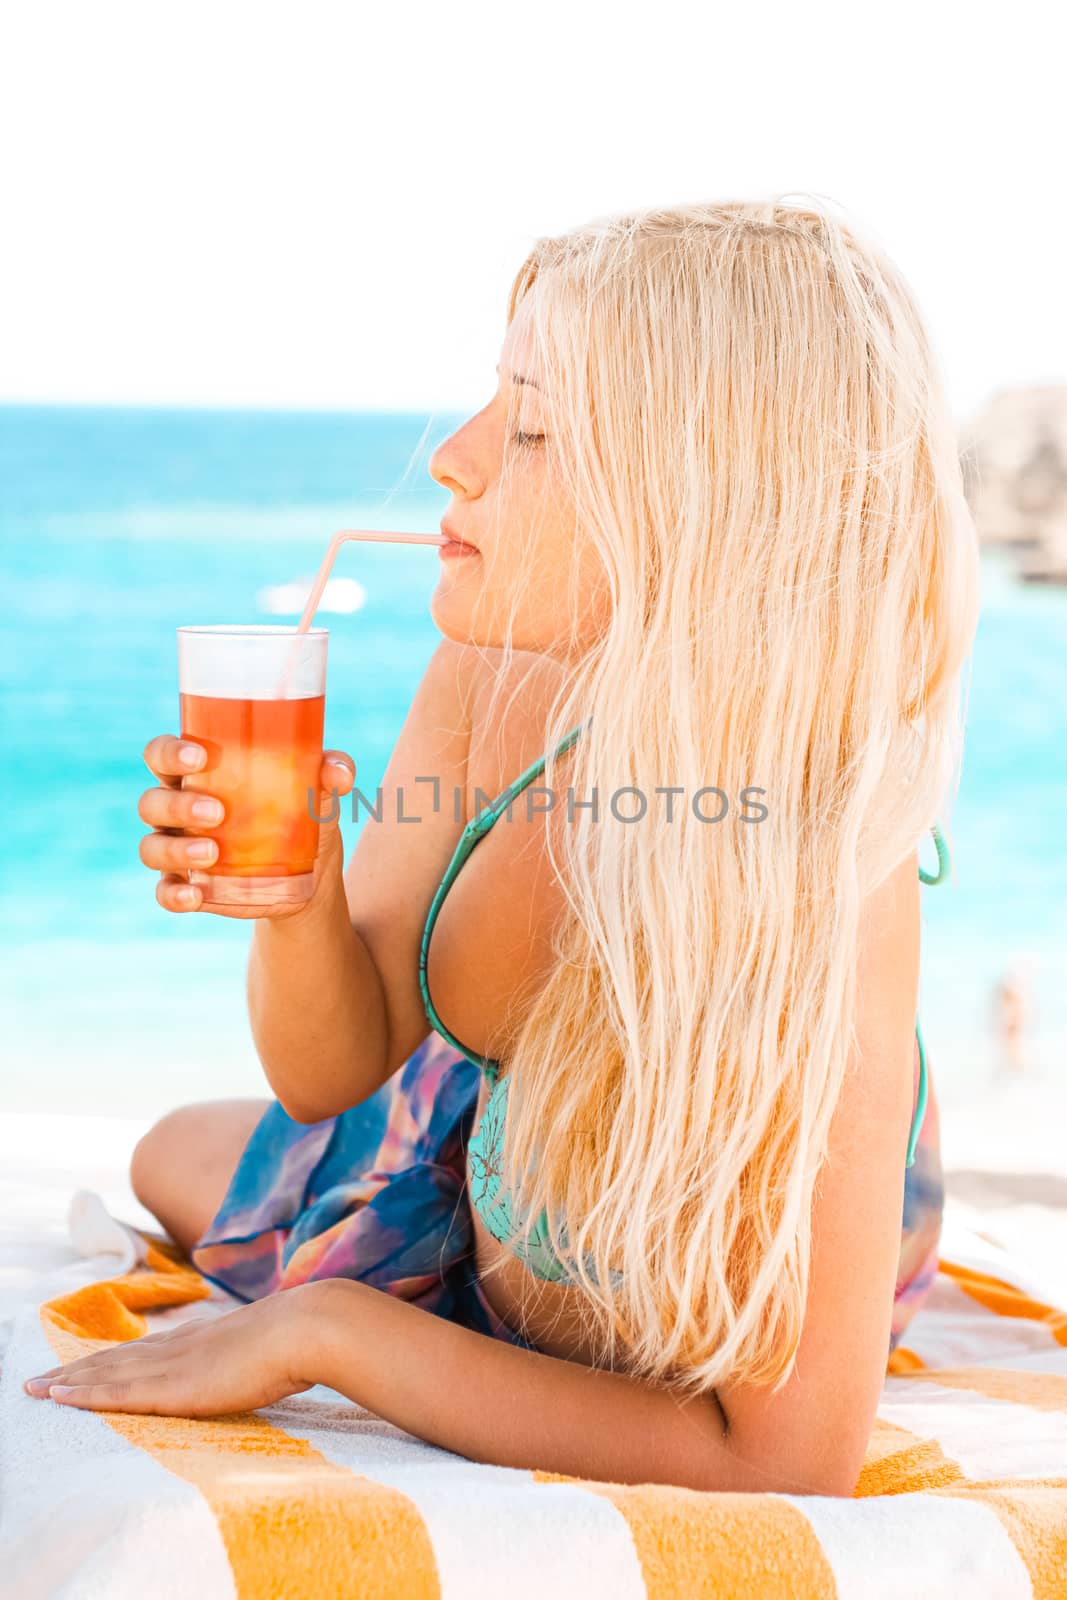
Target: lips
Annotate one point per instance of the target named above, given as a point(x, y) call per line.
point(451, 534)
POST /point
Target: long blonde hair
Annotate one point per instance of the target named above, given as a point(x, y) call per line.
point(747, 412)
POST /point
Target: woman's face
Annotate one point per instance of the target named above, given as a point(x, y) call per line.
point(528, 558)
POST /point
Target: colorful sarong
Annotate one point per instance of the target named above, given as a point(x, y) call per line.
point(379, 1194)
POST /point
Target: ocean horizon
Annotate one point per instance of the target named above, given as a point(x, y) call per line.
point(120, 523)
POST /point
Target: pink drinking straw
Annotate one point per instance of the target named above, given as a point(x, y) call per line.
point(323, 574)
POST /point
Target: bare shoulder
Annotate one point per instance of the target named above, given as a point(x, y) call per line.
point(510, 699)
point(888, 983)
point(457, 667)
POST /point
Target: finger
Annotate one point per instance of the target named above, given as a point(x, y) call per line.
point(170, 757)
point(97, 1365)
point(146, 1392)
point(175, 852)
point(39, 1387)
point(95, 1358)
point(180, 808)
point(111, 1358)
point(176, 894)
point(337, 776)
point(338, 772)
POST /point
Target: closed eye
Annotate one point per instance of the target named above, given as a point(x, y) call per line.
point(528, 438)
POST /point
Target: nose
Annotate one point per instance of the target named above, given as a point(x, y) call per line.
point(452, 467)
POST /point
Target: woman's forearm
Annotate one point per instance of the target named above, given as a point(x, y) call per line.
point(316, 1009)
point(502, 1405)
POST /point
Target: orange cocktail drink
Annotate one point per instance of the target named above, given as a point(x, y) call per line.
point(254, 697)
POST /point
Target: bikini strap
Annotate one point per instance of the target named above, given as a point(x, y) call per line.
point(944, 866)
point(486, 818)
point(920, 1099)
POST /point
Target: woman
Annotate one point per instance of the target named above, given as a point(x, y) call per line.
point(651, 1165)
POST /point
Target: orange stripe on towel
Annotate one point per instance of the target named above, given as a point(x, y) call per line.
point(901, 1462)
point(293, 1523)
point(1004, 1299)
point(1042, 1391)
point(903, 1361)
point(717, 1547)
point(110, 1309)
point(1031, 1513)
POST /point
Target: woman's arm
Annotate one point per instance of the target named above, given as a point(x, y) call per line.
point(316, 1008)
point(499, 1403)
point(829, 1401)
point(505, 1406)
point(333, 996)
point(482, 1398)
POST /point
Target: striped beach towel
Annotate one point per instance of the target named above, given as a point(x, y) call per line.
point(963, 1492)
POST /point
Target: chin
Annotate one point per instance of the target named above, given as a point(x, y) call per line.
point(455, 618)
point(465, 630)
point(461, 618)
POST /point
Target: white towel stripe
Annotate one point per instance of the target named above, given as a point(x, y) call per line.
point(925, 1546)
point(988, 1438)
point(86, 1514)
point(523, 1540)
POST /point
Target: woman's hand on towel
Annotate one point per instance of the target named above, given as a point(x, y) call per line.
point(180, 827)
point(205, 1367)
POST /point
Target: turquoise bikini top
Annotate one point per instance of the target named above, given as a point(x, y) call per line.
point(486, 1143)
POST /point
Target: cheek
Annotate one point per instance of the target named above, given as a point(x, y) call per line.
point(537, 579)
point(567, 586)
point(595, 605)
point(544, 564)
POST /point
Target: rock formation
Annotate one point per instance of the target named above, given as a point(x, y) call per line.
point(1013, 455)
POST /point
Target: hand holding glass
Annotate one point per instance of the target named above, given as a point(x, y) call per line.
point(253, 699)
point(264, 755)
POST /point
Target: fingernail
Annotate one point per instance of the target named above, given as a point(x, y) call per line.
point(207, 810)
point(36, 1385)
point(190, 755)
point(202, 850)
point(61, 1389)
point(187, 896)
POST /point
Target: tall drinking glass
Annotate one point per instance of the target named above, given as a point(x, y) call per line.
point(255, 698)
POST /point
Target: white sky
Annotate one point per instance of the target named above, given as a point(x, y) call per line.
point(317, 204)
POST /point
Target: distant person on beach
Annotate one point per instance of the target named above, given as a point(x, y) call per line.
point(1011, 1019)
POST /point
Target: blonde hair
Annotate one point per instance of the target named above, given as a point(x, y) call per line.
point(747, 413)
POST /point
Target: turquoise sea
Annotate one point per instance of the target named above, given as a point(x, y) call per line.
point(118, 525)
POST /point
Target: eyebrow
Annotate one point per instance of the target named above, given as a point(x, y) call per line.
point(517, 377)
